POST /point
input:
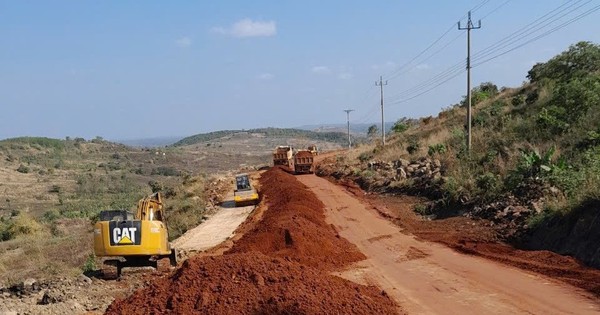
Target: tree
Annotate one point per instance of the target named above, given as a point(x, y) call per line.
point(372, 131)
point(579, 60)
point(400, 126)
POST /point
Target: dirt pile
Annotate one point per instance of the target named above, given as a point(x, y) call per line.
point(280, 266)
point(253, 283)
point(293, 227)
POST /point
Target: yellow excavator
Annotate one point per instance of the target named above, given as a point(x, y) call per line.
point(125, 239)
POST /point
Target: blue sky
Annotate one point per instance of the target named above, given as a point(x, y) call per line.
point(139, 69)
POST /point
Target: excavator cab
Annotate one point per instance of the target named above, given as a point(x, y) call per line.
point(127, 240)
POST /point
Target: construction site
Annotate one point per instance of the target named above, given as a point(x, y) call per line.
point(300, 158)
point(313, 246)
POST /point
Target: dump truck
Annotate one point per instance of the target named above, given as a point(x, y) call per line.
point(303, 162)
point(313, 149)
point(284, 156)
point(124, 239)
point(244, 194)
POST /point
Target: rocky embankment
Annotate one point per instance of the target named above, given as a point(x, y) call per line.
point(510, 215)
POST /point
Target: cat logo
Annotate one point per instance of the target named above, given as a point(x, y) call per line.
point(124, 236)
point(125, 233)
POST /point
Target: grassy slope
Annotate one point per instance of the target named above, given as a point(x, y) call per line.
point(52, 189)
point(536, 147)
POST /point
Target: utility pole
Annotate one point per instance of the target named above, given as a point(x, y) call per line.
point(468, 28)
point(348, 120)
point(381, 84)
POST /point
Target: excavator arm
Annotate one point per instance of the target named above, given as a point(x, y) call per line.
point(150, 208)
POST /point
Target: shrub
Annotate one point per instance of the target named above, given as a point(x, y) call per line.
point(481, 119)
point(436, 148)
point(90, 264)
point(532, 97)
point(413, 145)
point(22, 224)
point(23, 169)
point(372, 131)
point(487, 182)
point(365, 156)
point(496, 108)
point(518, 100)
point(400, 126)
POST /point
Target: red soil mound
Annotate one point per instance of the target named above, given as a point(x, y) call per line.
point(280, 266)
point(293, 226)
point(253, 283)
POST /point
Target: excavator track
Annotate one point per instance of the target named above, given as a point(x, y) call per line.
point(111, 269)
point(166, 263)
point(163, 265)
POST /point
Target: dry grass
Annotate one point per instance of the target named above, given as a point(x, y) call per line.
point(44, 255)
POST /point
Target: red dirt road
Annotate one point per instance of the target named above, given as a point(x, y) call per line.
point(429, 278)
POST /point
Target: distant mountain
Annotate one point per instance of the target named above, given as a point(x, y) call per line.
point(330, 136)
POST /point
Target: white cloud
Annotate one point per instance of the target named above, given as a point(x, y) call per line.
point(184, 42)
point(248, 28)
point(265, 76)
point(345, 76)
point(320, 70)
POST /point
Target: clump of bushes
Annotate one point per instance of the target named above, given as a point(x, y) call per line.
point(21, 224)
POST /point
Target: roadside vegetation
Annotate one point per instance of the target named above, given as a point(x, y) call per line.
point(535, 157)
point(52, 191)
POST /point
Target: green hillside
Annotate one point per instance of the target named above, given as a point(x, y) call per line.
point(335, 137)
point(534, 169)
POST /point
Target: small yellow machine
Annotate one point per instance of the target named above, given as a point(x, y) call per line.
point(128, 240)
point(244, 194)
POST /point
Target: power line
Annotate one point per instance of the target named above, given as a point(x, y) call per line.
point(537, 25)
point(527, 29)
point(433, 80)
point(449, 72)
point(586, 13)
point(402, 69)
point(428, 90)
point(477, 7)
point(496, 9)
point(367, 116)
point(397, 72)
point(453, 70)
